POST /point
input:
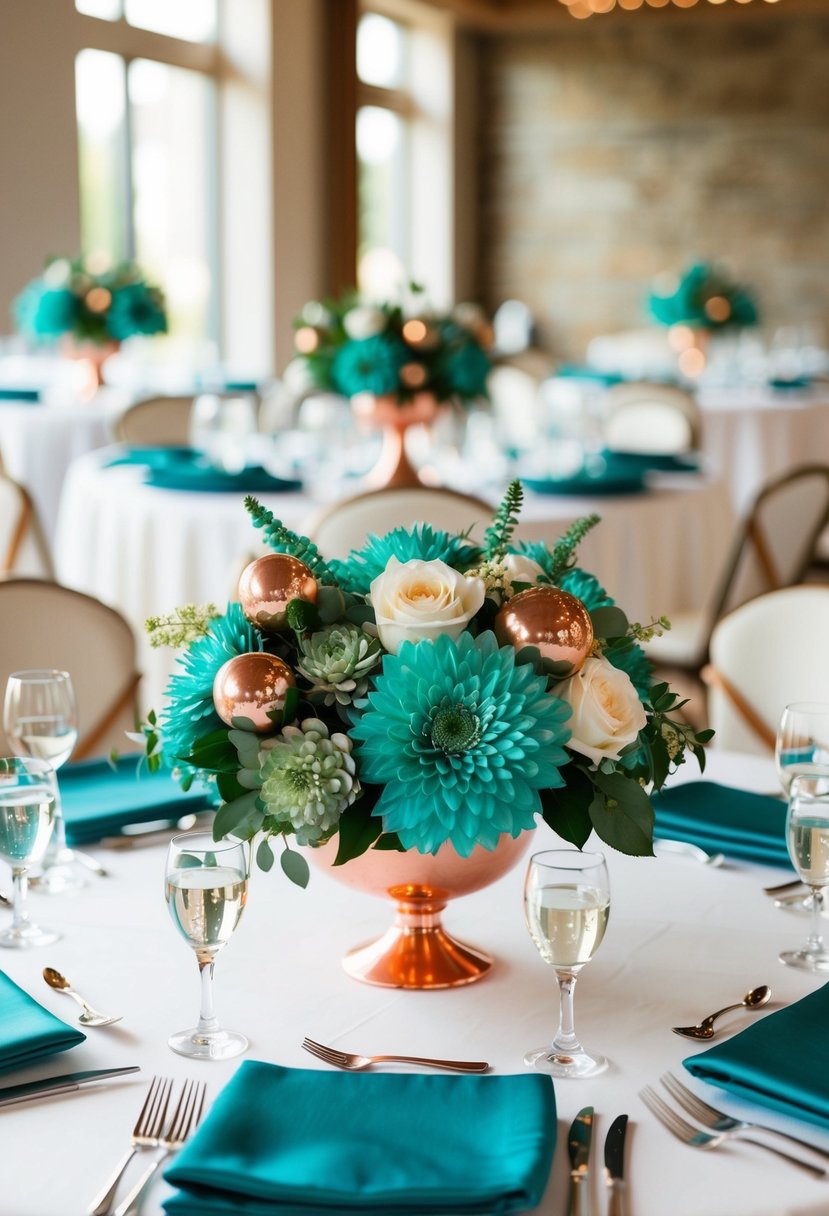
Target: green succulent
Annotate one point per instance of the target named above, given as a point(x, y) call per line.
point(337, 663)
point(308, 780)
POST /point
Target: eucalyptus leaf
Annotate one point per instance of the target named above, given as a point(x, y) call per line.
point(229, 816)
point(250, 778)
point(609, 622)
point(264, 855)
point(229, 786)
point(243, 724)
point(295, 867)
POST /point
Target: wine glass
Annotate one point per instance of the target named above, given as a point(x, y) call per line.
point(802, 745)
point(566, 906)
point(40, 719)
point(206, 887)
point(807, 837)
point(28, 798)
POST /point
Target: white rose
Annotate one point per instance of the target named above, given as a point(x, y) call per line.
point(521, 569)
point(364, 322)
point(607, 713)
point(416, 600)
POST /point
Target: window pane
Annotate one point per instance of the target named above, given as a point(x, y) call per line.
point(382, 152)
point(172, 120)
point(100, 97)
point(381, 51)
point(107, 10)
point(194, 20)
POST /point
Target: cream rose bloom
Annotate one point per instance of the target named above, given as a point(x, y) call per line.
point(607, 713)
point(364, 321)
point(416, 600)
point(522, 569)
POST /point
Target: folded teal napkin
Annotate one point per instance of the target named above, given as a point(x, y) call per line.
point(204, 478)
point(279, 1141)
point(614, 478)
point(727, 820)
point(20, 395)
point(99, 799)
point(27, 1030)
point(781, 1061)
point(153, 457)
point(657, 462)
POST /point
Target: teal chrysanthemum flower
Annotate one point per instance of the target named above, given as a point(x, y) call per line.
point(635, 663)
point(45, 312)
point(135, 309)
point(422, 542)
point(462, 739)
point(369, 365)
point(587, 588)
point(308, 779)
point(465, 370)
point(189, 712)
point(337, 662)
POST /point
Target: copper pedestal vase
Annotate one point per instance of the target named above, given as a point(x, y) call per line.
point(92, 356)
point(417, 952)
point(393, 468)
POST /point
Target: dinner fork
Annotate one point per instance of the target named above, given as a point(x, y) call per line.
point(354, 1063)
point(697, 1138)
point(145, 1134)
point(185, 1117)
point(718, 1121)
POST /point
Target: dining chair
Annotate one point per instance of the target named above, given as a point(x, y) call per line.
point(764, 655)
point(344, 525)
point(156, 422)
point(515, 403)
point(773, 547)
point(647, 416)
point(23, 547)
point(44, 625)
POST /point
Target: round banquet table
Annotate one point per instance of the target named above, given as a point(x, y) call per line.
point(146, 551)
point(682, 940)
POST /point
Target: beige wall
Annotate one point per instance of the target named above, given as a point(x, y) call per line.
point(613, 151)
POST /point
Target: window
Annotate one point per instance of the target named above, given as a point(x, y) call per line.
point(191, 20)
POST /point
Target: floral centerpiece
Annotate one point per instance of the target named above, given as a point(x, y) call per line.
point(702, 297)
point(90, 302)
point(427, 694)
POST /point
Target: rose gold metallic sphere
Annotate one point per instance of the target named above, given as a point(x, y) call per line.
point(554, 621)
point(252, 686)
point(269, 584)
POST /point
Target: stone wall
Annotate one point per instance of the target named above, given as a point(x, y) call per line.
point(612, 151)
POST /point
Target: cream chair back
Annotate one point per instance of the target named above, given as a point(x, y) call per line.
point(346, 525)
point(42, 625)
point(650, 417)
point(156, 422)
point(764, 655)
point(23, 547)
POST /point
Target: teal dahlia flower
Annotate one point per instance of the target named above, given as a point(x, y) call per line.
point(189, 712)
point(422, 542)
point(45, 312)
point(587, 588)
point(136, 309)
point(369, 365)
point(462, 739)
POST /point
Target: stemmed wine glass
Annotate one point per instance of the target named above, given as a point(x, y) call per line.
point(28, 796)
point(802, 746)
point(807, 837)
point(566, 906)
point(206, 887)
point(40, 719)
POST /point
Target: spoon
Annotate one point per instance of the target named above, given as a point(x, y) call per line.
point(90, 1016)
point(782, 887)
point(5, 902)
point(681, 848)
point(705, 1029)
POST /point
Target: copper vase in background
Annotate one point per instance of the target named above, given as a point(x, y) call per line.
point(393, 468)
point(416, 951)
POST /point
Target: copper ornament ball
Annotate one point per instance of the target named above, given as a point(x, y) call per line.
point(554, 621)
point(269, 584)
point(252, 686)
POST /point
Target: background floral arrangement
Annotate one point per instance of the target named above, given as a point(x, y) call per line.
point(350, 346)
point(425, 690)
point(90, 300)
point(704, 297)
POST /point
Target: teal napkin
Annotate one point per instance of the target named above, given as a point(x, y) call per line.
point(280, 1141)
point(614, 478)
point(27, 1030)
point(181, 475)
point(99, 800)
point(153, 457)
point(726, 820)
point(20, 395)
point(657, 462)
point(782, 1061)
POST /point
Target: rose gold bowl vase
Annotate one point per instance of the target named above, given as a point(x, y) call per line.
point(417, 952)
point(393, 468)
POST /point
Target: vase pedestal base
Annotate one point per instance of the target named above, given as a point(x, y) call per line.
point(417, 952)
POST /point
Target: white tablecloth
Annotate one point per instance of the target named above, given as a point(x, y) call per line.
point(682, 940)
point(146, 551)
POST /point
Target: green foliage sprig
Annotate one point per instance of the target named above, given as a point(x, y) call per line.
point(180, 627)
point(563, 554)
point(283, 540)
point(499, 533)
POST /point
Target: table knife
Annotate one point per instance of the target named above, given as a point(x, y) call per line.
point(578, 1146)
point(614, 1161)
point(45, 1088)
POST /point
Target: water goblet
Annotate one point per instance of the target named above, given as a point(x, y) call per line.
point(40, 718)
point(566, 906)
point(206, 886)
point(28, 795)
point(807, 838)
point(802, 744)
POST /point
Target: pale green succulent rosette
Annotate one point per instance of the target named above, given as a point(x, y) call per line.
point(337, 662)
point(308, 779)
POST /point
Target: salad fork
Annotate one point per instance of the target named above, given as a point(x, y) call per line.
point(148, 1128)
point(718, 1121)
point(696, 1138)
point(355, 1063)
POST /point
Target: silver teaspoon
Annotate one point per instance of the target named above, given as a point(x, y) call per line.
point(90, 1016)
point(5, 902)
point(705, 1029)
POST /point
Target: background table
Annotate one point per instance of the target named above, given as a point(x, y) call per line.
point(683, 940)
point(146, 551)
